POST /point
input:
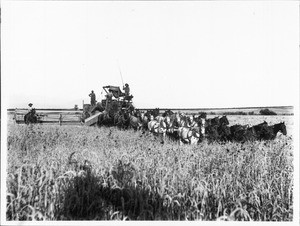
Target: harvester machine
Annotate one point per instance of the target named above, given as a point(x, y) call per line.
point(115, 100)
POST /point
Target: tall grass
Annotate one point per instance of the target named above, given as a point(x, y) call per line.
point(83, 173)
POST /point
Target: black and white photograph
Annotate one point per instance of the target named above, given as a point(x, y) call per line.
point(153, 112)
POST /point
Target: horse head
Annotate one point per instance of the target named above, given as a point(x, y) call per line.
point(183, 120)
point(147, 114)
point(167, 120)
point(280, 127)
point(137, 113)
point(202, 122)
point(142, 116)
point(224, 120)
point(126, 114)
point(203, 115)
point(151, 117)
point(167, 113)
point(155, 112)
point(190, 118)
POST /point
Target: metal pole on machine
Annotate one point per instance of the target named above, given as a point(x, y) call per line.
point(121, 78)
point(120, 73)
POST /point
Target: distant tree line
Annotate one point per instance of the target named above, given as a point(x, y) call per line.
point(230, 113)
point(265, 111)
point(239, 113)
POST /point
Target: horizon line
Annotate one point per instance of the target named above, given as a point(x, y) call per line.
point(163, 108)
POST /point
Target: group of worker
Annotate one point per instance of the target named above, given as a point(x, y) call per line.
point(110, 94)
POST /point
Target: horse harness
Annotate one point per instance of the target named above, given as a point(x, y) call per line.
point(192, 134)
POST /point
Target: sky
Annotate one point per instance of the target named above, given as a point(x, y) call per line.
point(196, 54)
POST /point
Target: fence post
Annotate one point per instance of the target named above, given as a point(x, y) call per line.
point(80, 120)
point(60, 119)
point(15, 116)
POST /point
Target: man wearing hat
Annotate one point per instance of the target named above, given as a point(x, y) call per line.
point(93, 98)
point(30, 107)
point(126, 89)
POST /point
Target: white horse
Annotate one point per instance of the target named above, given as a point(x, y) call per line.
point(192, 133)
point(188, 135)
point(158, 127)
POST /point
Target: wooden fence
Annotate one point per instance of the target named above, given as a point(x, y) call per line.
point(60, 117)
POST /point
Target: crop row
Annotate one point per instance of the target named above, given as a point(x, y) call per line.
point(82, 173)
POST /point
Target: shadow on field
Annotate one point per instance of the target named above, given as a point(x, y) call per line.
point(114, 195)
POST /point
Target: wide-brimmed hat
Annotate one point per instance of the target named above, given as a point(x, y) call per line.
point(126, 84)
point(30, 104)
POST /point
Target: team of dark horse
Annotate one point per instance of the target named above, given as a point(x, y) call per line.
point(218, 129)
point(190, 129)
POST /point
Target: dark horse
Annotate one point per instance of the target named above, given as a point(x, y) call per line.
point(121, 120)
point(213, 121)
point(217, 129)
point(217, 121)
point(134, 118)
point(125, 119)
point(271, 131)
point(31, 117)
point(105, 119)
point(259, 130)
point(241, 133)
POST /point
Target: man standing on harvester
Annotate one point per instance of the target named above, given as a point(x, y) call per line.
point(93, 98)
point(127, 91)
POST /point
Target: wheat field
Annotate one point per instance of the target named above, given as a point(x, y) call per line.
point(89, 173)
